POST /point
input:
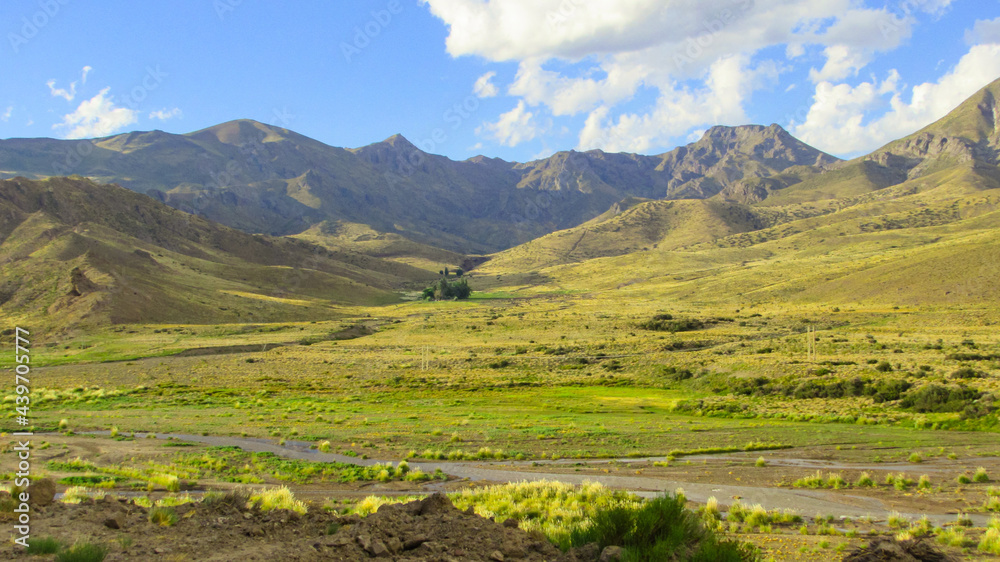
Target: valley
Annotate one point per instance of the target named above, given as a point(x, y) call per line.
point(815, 336)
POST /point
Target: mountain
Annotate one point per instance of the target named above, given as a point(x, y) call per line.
point(264, 179)
point(916, 222)
point(74, 252)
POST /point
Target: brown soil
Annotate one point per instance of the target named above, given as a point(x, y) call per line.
point(426, 530)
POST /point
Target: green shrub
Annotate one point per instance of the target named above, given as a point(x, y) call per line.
point(83, 552)
point(660, 529)
point(163, 516)
point(43, 545)
point(981, 476)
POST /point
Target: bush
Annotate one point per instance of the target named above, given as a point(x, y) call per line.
point(667, 323)
point(278, 498)
point(936, 398)
point(981, 475)
point(660, 529)
point(83, 552)
point(43, 545)
point(163, 516)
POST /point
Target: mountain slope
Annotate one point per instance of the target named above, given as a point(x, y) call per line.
point(76, 252)
point(265, 179)
point(914, 223)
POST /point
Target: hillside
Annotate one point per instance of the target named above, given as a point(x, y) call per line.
point(914, 223)
point(76, 252)
point(264, 179)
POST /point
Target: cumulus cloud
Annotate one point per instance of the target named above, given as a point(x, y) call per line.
point(700, 60)
point(984, 31)
point(86, 71)
point(96, 117)
point(839, 120)
point(514, 127)
point(484, 88)
point(164, 114)
point(7, 113)
point(678, 109)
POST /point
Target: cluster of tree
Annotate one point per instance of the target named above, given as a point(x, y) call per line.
point(444, 289)
point(458, 272)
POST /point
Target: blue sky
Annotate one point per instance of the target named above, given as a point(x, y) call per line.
point(516, 79)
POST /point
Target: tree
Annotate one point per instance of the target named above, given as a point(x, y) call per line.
point(458, 272)
point(444, 289)
point(446, 272)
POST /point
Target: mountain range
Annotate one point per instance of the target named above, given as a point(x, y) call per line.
point(270, 180)
point(248, 222)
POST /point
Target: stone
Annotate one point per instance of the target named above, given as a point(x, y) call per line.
point(611, 554)
point(42, 492)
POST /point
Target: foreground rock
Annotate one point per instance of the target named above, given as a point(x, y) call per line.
point(887, 549)
point(426, 530)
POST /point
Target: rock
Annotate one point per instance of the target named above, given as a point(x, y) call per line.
point(510, 523)
point(435, 503)
point(589, 552)
point(115, 522)
point(42, 492)
point(496, 556)
point(394, 544)
point(378, 548)
point(611, 553)
point(414, 543)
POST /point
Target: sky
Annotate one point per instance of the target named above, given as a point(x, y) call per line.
point(514, 79)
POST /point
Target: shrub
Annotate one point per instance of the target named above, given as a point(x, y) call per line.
point(991, 541)
point(865, 481)
point(163, 516)
point(660, 529)
point(814, 481)
point(981, 476)
point(278, 498)
point(43, 545)
point(83, 552)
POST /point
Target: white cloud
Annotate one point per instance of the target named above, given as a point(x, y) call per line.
point(97, 117)
point(484, 88)
point(67, 95)
point(7, 113)
point(164, 114)
point(700, 59)
point(514, 127)
point(839, 119)
point(841, 61)
point(984, 31)
point(721, 102)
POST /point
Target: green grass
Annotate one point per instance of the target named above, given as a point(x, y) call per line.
point(83, 552)
point(660, 529)
point(43, 545)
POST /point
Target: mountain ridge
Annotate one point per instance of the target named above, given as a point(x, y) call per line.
point(267, 179)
